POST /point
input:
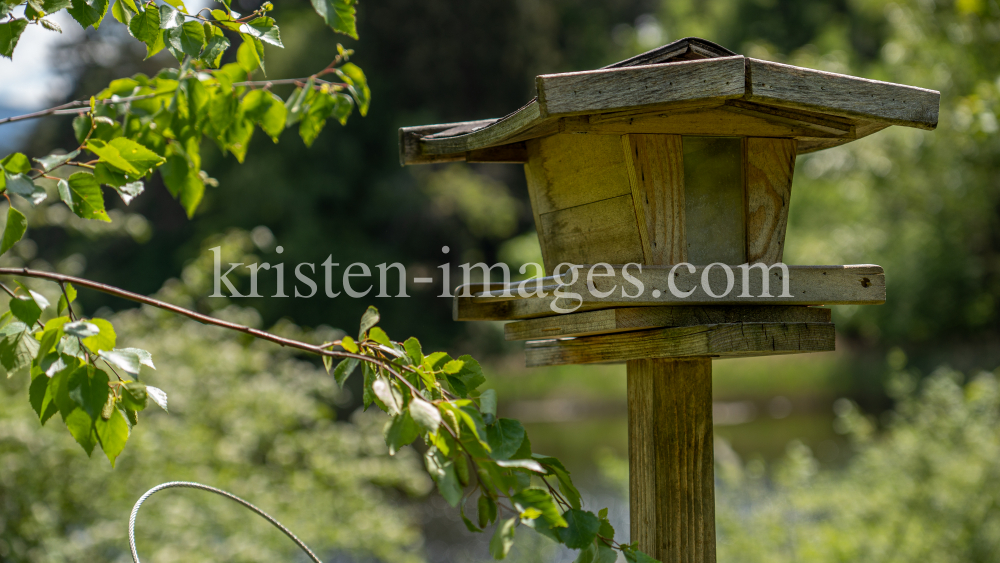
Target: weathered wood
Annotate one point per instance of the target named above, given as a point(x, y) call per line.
point(863, 128)
point(671, 459)
point(602, 231)
point(410, 139)
point(828, 125)
point(514, 153)
point(624, 319)
point(525, 123)
point(839, 94)
point(655, 165)
point(770, 164)
point(731, 340)
point(714, 211)
point(862, 284)
point(688, 48)
point(598, 91)
point(719, 121)
point(571, 170)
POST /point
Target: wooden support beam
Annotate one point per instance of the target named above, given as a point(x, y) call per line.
point(769, 167)
point(733, 340)
point(671, 459)
point(655, 165)
point(624, 319)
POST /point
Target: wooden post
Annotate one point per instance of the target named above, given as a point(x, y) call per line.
point(671, 472)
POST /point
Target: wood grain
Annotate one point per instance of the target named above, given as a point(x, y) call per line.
point(571, 170)
point(862, 284)
point(597, 91)
point(602, 231)
point(671, 459)
point(839, 94)
point(732, 340)
point(770, 165)
point(625, 319)
point(719, 121)
point(655, 165)
point(714, 207)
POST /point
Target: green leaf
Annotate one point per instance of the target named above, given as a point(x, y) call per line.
point(69, 291)
point(426, 415)
point(122, 12)
point(442, 471)
point(314, 119)
point(81, 426)
point(633, 555)
point(41, 398)
point(413, 351)
point(339, 15)
point(103, 340)
point(487, 508)
point(145, 358)
point(48, 341)
point(25, 309)
point(354, 76)
point(347, 343)
point(538, 503)
point(16, 225)
point(112, 434)
point(22, 185)
point(10, 33)
point(344, 369)
point(157, 395)
point(81, 329)
point(170, 18)
point(55, 160)
point(263, 28)
point(128, 361)
point(146, 26)
point(390, 397)
point(504, 437)
point(250, 55)
point(488, 405)
point(368, 320)
point(179, 4)
point(503, 539)
point(266, 109)
point(16, 163)
point(581, 528)
point(89, 12)
point(130, 191)
point(214, 49)
point(465, 519)
point(18, 347)
point(401, 431)
point(184, 182)
point(134, 396)
point(83, 195)
point(379, 335)
point(189, 38)
point(126, 155)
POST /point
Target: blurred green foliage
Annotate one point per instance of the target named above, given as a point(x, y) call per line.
point(245, 416)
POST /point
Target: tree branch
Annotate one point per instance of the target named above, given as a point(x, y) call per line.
point(204, 319)
point(83, 106)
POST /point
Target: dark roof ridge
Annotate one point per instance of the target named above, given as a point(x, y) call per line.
point(685, 49)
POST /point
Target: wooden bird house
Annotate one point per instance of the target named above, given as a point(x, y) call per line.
point(680, 156)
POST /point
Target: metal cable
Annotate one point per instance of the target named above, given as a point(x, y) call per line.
point(199, 486)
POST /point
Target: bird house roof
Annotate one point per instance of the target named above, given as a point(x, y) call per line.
point(688, 87)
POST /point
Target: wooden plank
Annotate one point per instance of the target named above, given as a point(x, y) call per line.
point(839, 94)
point(655, 164)
point(827, 125)
point(602, 231)
point(526, 122)
point(770, 165)
point(732, 340)
point(514, 153)
point(862, 129)
point(717, 121)
point(862, 284)
point(624, 319)
point(714, 209)
point(571, 170)
point(597, 91)
point(534, 174)
point(410, 141)
point(671, 459)
point(684, 49)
